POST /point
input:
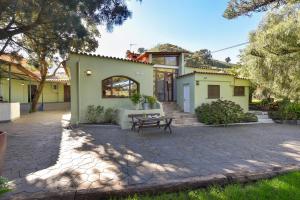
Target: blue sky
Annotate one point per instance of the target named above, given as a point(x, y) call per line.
point(191, 24)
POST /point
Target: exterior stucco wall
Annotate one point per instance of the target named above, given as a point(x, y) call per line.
point(199, 94)
point(181, 82)
point(9, 111)
point(19, 91)
point(88, 89)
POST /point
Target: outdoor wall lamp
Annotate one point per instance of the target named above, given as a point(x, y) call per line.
point(88, 72)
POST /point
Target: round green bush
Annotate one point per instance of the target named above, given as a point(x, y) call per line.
point(219, 112)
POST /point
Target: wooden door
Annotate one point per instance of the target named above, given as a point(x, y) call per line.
point(186, 98)
point(67, 93)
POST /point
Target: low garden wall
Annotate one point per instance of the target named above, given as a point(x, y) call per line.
point(51, 106)
point(125, 122)
point(9, 111)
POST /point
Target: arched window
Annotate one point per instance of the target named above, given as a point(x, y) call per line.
point(119, 87)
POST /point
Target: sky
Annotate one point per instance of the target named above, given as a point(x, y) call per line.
point(191, 24)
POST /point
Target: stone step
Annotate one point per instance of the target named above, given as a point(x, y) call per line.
point(180, 118)
point(257, 112)
point(267, 121)
point(262, 116)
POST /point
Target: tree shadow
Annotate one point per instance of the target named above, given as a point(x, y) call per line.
point(111, 158)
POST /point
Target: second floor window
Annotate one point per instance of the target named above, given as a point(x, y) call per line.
point(165, 60)
point(119, 87)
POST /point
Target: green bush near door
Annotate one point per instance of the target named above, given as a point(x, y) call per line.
point(222, 112)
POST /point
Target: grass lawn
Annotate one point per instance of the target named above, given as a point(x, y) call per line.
point(284, 187)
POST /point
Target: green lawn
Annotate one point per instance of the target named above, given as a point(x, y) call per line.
point(284, 187)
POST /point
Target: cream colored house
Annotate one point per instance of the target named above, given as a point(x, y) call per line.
point(110, 81)
point(19, 81)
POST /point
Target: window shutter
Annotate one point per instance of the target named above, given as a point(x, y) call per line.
point(213, 91)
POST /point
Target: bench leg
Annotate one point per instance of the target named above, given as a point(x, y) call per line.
point(168, 125)
point(140, 125)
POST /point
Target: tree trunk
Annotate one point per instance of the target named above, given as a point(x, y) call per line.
point(37, 95)
point(43, 72)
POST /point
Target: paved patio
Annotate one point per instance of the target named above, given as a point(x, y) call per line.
point(45, 157)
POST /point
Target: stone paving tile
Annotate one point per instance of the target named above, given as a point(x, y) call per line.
point(43, 156)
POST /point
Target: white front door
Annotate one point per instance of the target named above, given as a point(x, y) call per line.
point(186, 98)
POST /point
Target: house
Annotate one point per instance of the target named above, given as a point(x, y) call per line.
point(106, 81)
point(190, 87)
point(110, 81)
point(19, 81)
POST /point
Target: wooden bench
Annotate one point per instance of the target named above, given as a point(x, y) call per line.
point(135, 121)
point(151, 120)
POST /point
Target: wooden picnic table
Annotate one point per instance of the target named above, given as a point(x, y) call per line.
point(145, 122)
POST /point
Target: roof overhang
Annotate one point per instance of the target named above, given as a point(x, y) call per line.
point(166, 66)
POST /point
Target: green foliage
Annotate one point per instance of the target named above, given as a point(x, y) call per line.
point(94, 114)
point(228, 59)
point(3, 186)
point(219, 112)
point(110, 115)
point(151, 100)
point(136, 98)
point(167, 48)
point(283, 187)
point(271, 60)
point(69, 20)
point(286, 111)
point(249, 117)
point(199, 58)
point(97, 114)
point(237, 8)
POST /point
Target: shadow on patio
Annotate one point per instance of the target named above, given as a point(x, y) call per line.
point(107, 157)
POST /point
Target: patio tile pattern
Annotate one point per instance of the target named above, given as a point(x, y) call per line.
point(44, 156)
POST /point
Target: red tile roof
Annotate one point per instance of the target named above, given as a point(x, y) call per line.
point(211, 73)
point(114, 58)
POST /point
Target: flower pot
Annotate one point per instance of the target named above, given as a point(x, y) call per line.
point(3, 141)
point(137, 106)
point(146, 106)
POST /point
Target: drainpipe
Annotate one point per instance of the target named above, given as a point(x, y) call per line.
point(1, 82)
point(9, 83)
point(78, 91)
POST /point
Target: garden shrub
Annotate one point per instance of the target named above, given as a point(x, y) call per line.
point(3, 186)
point(219, 112)
point(249, 117)
point(286, 111)
point(94, 114)
point(110, 116)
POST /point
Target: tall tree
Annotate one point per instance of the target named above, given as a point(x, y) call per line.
point(272, 58)
point(198, 58)
point(21, 17)
point(141, 50)
point(64, 30)
point(237, 8)
point(167, 47)
point(228, 59)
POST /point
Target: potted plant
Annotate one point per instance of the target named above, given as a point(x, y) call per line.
point(136, 99)
point(152, 101)
point(3, 141)
point(145, 102)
